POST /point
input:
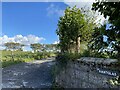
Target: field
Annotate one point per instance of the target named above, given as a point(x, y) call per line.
point(9, 58)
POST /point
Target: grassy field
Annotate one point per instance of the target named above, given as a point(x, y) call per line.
point(21, 56)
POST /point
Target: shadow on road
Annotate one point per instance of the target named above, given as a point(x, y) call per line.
point(36, 74)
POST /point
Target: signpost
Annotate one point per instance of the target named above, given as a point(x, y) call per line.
point(108, 72)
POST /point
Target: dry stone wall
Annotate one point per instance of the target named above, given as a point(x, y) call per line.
point(85, 75)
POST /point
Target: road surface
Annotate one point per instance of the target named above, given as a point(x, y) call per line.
point(36, 74)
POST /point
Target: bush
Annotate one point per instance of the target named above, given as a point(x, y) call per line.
point(10, 62)
point(42, 55)
point(66, 57)
point(28, 59)
point(86, 53)
point(38, 55)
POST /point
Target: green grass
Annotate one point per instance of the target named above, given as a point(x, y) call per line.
point(19, 57)
point(8, 63)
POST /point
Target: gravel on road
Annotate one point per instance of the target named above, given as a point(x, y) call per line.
point(36, 74)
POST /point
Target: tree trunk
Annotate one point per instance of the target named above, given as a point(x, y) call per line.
point(70, 48)
point(78, 45)
point(12, 55)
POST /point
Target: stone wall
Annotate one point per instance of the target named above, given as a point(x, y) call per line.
point(83, 75)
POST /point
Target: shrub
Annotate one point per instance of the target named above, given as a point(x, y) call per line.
point(63, 59)
point(38, 55)
point(86, 53)
point(28, 59)
point(10, 62)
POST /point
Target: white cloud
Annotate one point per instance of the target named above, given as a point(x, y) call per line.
point(26, 40)
point(1, 47)
point(79, 4)
point(54, 10)
point(56, 42)
point(86, 4)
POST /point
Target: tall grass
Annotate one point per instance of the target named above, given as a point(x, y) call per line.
point(19, 57)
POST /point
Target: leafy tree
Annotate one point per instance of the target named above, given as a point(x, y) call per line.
point(36, 47)
point(73, 28)
point(13, 46)
point(53, 47)
point(97, 43)
point(112, 10)
point(56, 47)
point(49, 46)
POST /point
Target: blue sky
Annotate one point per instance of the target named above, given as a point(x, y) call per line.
point(25, 18)
point(30, 22)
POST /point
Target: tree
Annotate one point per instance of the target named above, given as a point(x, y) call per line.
point(49, 46)
point(52, 47)
point(21, 47)
point(36, 47)
point(73, 28)
point(97, 43)
point(112, 10)
point(55, 47)
point(13, 46)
